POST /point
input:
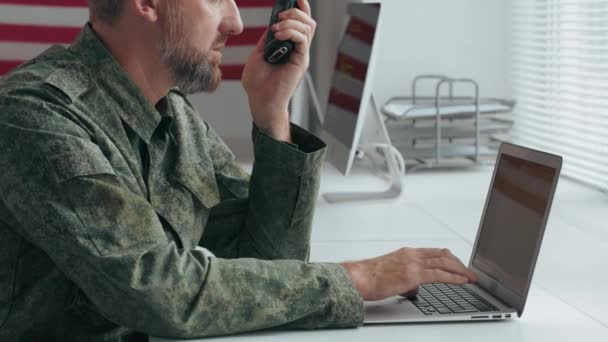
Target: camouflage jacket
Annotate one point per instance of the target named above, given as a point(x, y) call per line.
point(108, 206)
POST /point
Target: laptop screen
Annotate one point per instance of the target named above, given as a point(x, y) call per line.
point(513, 221)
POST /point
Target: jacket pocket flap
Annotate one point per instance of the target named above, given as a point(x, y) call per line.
point(79, 158)
point(199, 179)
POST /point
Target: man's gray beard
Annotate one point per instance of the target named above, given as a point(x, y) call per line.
point(192, 72)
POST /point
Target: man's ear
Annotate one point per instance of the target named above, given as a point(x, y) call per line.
point(146, 9)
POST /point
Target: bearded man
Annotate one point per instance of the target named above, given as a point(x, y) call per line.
point(123, 214)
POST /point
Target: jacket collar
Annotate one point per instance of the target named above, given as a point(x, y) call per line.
point(132, 106)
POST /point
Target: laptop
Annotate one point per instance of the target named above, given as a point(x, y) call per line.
point(505, 252)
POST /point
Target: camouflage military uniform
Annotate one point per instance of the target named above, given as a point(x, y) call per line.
point(105, 201)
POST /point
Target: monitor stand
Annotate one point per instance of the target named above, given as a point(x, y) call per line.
point(396, 169)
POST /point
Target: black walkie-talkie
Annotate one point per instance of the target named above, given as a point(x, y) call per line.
point(277, 51)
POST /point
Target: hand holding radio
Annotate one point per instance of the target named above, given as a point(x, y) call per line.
point(277, 51)
point(277, 65)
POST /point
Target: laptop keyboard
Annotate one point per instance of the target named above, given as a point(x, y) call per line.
point(450, 299)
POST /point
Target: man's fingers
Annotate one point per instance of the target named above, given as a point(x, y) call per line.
point(430, 276)
point(470, 274)
point(449, 265)
point(431, 253)
point(305, 6)
point(295, 36)
point(298, 15)
point(293, 24)
point(453, 257)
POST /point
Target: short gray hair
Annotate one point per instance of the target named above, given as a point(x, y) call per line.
point(106, 10)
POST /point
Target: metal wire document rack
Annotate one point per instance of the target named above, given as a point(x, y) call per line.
point(438, 130)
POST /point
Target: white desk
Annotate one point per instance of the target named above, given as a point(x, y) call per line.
point(545, 321)
point(569, 296)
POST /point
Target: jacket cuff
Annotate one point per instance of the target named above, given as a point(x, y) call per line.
point(349, 309)
point(304, 156)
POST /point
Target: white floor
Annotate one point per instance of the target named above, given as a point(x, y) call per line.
point(569, 296)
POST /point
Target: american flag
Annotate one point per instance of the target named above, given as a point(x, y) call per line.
point(28, 27)
point(351, 72)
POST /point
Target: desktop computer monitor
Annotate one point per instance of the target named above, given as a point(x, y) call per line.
point(350, 93)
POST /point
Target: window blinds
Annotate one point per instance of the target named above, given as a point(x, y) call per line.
point(560, 80)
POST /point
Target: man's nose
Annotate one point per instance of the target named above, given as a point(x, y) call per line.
point(232, 24)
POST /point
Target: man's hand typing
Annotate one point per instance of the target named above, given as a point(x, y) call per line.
point(405, 270)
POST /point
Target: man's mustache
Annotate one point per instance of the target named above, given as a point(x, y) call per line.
point(221, 39)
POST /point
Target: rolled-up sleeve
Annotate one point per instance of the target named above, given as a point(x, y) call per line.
point(282, 194)
point(65, 196)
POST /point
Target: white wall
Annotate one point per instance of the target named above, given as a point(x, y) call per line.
point(460, 38)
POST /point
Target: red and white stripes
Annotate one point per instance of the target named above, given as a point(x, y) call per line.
point(28, 27)
point(353, 60)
